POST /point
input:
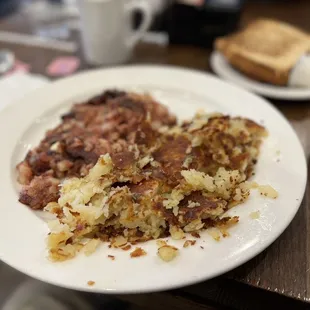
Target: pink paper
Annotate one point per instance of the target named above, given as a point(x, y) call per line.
point(19, 67)
point(63, 66)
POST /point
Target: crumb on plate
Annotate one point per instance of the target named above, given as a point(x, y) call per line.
point(126, 247)
point(224, 232)
point(167, 253)
point(195, 234)
point(137, 253)
point(225, 224)
point(214, 233)
point(267, 191)
point(161, 243)
point(188, 243)
point(255, 215)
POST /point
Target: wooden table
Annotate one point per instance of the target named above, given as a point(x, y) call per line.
point(281, 273)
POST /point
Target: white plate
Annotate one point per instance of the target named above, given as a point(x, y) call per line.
point(23, 234)
point(222, 68)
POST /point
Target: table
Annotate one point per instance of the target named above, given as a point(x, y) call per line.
point(280, 275)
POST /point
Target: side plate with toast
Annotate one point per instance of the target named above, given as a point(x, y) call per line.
point(269, 57)
point(223, 69)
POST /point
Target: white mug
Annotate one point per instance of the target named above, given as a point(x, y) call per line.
point(107, 34)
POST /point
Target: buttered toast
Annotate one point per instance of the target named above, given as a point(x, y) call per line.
point(265, 50)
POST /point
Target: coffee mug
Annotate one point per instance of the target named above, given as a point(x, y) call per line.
point(106, 25)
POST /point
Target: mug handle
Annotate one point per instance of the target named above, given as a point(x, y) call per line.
point(147, 17)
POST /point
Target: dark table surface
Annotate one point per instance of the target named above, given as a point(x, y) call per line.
point(281, 272)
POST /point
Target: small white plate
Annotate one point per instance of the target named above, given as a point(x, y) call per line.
point(23, 234)
point(222, 68)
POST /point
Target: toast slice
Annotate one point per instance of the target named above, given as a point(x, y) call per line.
point(265, 50)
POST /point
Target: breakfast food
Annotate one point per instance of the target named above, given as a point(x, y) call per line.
point(119, 169)
point(266, 50)
point(166, 181)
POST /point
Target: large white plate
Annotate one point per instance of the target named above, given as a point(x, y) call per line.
point(281, 164)
point(222, 68)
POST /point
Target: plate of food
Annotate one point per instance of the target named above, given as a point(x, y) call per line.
point(268, 57)
point(143, 178)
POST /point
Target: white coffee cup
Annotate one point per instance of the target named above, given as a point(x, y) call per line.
point(107, 34)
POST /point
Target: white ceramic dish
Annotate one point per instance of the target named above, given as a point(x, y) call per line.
point(23, 233)
point(222, 68)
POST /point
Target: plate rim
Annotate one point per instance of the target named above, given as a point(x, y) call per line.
point(203, 74)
